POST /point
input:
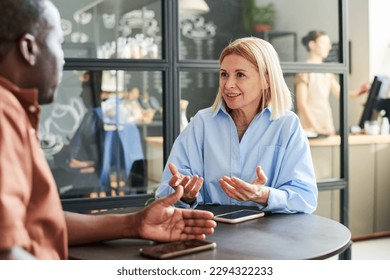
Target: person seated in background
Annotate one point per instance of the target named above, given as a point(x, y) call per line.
point(248, 148)
point(31, 216)
point(313, 89)
point(106, 147)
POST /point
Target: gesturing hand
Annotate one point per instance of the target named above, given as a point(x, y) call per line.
point(191, 186)
point(240, 190)
point(160, 221)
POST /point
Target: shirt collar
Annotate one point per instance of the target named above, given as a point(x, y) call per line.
point(28, 99)
point(222, 108)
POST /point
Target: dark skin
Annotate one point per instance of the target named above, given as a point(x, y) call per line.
point(28, 63)
point(159, 222)
point(17, 65)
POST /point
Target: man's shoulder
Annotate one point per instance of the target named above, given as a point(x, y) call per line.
point(8, 102)
point(12, 115)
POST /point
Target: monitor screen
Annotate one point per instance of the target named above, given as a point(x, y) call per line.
point(378, 91)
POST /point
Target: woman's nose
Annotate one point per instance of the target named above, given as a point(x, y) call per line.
point(230, 83)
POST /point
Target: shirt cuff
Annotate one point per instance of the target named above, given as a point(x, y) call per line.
point(276, 201)
point(182, 204)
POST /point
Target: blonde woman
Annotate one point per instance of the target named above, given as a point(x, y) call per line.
point(248, 148)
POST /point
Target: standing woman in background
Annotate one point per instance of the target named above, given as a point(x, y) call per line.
point(313, 89)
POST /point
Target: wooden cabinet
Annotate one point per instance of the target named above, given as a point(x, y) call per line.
point(326, 165)
point(362, 185)
point(369, 181)
point(382, 188)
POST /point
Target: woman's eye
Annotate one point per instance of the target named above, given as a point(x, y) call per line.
point(223, 74)
point(240, 74)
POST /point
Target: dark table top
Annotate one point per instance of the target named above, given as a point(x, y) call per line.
point(273, 237)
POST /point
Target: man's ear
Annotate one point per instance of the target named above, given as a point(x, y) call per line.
point(28, 48)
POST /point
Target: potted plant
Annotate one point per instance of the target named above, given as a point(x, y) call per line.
point(258, 19)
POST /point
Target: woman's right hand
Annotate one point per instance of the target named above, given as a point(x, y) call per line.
point(191, 186)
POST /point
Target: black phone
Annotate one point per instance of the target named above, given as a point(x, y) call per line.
point(177, 248)
point(239, 216)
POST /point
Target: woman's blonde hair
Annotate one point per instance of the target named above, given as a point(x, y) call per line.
point(264, 57)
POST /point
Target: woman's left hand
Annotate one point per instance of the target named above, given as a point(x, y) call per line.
point(240, 190)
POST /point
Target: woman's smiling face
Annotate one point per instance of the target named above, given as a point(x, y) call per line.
point(239, 83)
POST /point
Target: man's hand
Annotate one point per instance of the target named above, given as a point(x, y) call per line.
point(160, 221)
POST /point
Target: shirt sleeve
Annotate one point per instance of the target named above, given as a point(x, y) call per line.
point(14, 181)
point(295, 189)
point(187, 155)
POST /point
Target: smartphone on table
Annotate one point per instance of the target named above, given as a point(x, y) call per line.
point(238, 216)
point(177, 248)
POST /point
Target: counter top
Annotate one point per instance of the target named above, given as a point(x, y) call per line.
point(352, 140)
point(327, 141)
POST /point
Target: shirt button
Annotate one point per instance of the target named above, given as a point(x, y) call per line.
point(32, 109)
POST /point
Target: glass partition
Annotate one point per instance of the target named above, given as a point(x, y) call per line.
point(316, 101)
point(111, 28)
point(95, 135)
point(121, 29)
point(199, 89)
point(207, 26)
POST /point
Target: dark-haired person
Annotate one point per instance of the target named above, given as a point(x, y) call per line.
point(31, 217)
point(313, 89)
point(248, 148)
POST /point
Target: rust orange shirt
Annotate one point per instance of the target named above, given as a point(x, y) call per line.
point(31, 215)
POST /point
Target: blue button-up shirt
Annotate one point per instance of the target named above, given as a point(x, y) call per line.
point(209, 147)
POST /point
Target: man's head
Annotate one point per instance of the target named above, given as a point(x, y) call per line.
point(31, 55)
